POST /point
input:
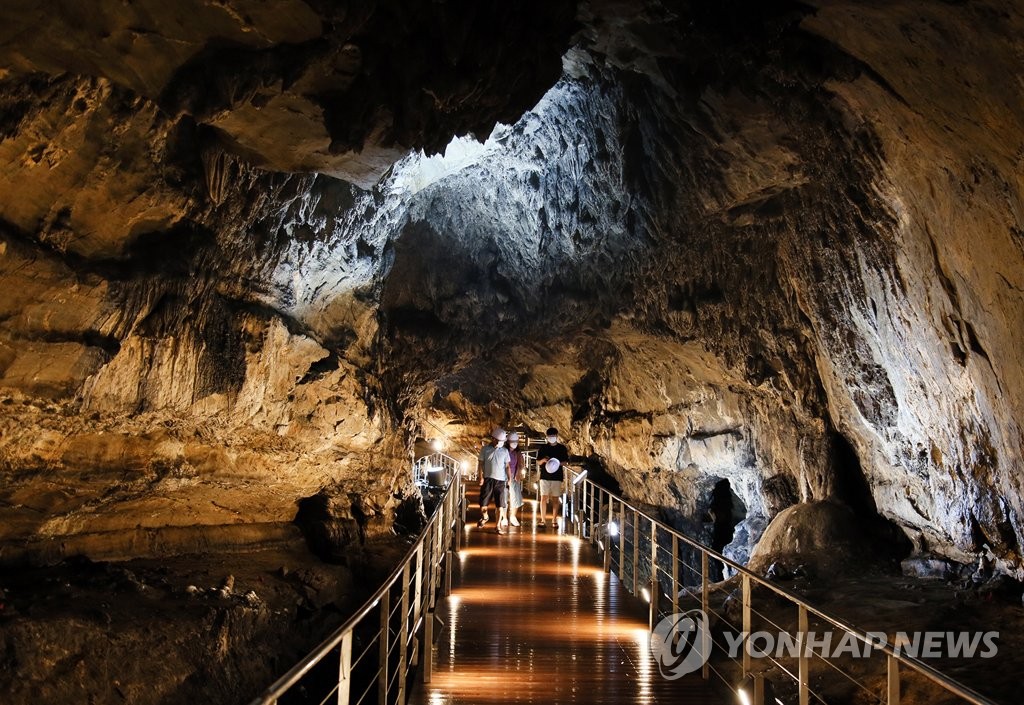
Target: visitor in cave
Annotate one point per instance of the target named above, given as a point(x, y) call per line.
point(517, 466)
point(551, 458)
point(494, 471)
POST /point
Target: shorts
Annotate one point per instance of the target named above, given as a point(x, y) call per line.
point(492, 488)
point(550, 488)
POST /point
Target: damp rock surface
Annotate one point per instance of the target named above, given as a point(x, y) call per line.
point(217, 627)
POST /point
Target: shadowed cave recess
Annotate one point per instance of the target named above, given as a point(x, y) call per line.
point(762, 265)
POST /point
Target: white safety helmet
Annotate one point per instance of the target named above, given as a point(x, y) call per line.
point(552, 465)
point(499, 434)
point(514, 437)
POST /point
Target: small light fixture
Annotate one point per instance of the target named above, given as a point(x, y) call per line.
point(755, 689)
point(646, 594)
point(745, 691)
point(613, 529)
point(436, 445)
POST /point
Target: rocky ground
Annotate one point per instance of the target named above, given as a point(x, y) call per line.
point(881, 601)
point(194, 628)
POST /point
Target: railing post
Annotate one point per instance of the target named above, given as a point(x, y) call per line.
point(893, 681)
point(622, 542)
point(417, 600)
point(636, 551)
point(581, 510)
point(705, 605)
point(427, 648)
point(746, 624)
point(652, 613)
point(345, 669)
point(437, 547)
point(655, 584)
point(804, 672)
point(403, 636)
point(454, 544)
point(463, 508)
point(449, 570)
point(591, 517)
point(384, 637)
point(675, 574)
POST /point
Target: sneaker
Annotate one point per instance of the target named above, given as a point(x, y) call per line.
point(499, 530)
point(540, 523)
point(513, 521)
point(483, 520)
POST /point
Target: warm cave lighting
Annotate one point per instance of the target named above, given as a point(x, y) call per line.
point(745, 691)
point(613, 529)
point(436, 445)
point(646, 594)
point(756, 690)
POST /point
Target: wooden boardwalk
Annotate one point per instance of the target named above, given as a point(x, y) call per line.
point(533, 618)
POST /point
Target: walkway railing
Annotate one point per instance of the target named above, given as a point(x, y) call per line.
point(436, 468)
point(370, 657)
point(667, 568)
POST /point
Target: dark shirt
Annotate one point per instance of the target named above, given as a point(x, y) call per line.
point(552, 451)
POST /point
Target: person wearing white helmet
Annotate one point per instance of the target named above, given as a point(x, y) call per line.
point(517, 468)
point(550, 459)
point(494, 466)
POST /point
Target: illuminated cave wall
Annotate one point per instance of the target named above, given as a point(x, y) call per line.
point(782, 248)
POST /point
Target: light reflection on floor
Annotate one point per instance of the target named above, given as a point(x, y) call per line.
point(534, 618)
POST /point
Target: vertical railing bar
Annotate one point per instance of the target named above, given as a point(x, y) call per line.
point(655, 584)
point(636, 551)
point(418, 586)
point(403, 636)
point(705, 605)
point(345, 669)
point(893, 681)
point(746, 624)
point(675, 574)
point(595, 512)
point(804, 657)
point(435, 561)
point(427, 648)
point(608, 534)
point(622, 542)
point(384, 637)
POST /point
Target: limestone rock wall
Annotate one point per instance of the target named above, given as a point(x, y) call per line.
point(779, 246)
point(165, 168)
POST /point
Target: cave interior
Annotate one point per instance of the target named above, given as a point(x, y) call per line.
point(762, 265)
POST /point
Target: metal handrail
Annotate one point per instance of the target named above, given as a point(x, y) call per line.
point(434, 555)
point(436, 461)
point(581, 509)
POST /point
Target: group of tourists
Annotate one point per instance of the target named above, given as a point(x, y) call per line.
point(502, 471)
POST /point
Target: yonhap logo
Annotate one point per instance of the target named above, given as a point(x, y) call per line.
point(678, 644)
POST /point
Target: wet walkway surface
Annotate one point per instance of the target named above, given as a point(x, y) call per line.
point(533, 618)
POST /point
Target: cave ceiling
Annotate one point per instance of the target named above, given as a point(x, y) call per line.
point(248, 249)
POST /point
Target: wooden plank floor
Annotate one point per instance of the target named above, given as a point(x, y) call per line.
point(533, 618)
